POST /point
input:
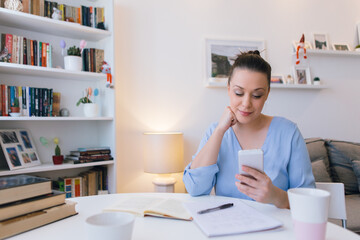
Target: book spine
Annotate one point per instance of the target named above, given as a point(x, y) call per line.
point(32, 52)
point(1, 100)
point(36, 102)
point(40, 54)
point(25, 51)
point(68, 187)
point(24, 105)
point(9, 45)
point(32, 94)
point(20, 97)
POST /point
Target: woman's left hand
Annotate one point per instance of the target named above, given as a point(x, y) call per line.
point(259, 187)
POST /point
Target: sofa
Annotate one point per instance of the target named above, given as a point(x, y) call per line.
point(339, 161)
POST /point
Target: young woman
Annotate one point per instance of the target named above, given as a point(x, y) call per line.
point(243, 126)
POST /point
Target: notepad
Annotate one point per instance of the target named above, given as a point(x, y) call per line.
point(149, 206)
point(238, 219)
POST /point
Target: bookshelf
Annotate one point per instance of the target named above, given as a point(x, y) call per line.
point(76, 130)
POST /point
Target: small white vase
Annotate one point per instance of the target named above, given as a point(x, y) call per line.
point(73, 63)
point(91, 110)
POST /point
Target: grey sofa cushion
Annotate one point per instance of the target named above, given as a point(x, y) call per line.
point(319, 159)
point(341, 154)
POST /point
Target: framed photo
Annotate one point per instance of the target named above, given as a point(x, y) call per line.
point(221, 54)
point(307, 45)
point(321, 41)
point(17, 147)
point(341, 47)
point(302, 75)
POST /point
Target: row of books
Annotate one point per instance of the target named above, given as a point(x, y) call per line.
point(22, 50)
point(84, 15)
point(86, 155)
point(92, 59)
point(38, 102)
point(88, 183)
point(28, 202)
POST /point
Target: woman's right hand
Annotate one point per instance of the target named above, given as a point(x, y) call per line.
point(227, 120)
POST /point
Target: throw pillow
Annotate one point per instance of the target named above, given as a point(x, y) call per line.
point(319, 159)
point(342, 154)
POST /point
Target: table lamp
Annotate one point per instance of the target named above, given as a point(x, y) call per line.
point(163, 154)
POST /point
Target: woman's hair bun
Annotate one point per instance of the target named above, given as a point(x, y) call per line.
point(256, 52)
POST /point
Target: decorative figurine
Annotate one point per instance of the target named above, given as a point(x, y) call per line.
point(105, 68)
point(299, 46)
point(56, 14)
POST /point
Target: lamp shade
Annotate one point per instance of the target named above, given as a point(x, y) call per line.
point(163, 152)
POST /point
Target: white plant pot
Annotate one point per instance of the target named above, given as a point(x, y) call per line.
point(91, 110)
point(73, 63)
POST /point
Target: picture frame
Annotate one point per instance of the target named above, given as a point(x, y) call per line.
point(18, 148)
point(302, 75)
point(341, 47)
point(321, 41)
point(220, 55)
point(307, 45)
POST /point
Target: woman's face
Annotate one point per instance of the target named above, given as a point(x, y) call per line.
point(248, 91)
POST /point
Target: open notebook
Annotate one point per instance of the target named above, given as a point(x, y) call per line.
point(149, 206)
point(240, 218)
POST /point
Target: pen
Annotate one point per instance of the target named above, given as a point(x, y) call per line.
point(227, 205)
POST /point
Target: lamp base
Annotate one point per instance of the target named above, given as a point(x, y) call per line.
point(164, 184)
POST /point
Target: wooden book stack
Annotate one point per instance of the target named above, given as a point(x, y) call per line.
point(28, 202)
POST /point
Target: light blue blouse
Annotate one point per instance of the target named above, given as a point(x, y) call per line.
point(286, 162)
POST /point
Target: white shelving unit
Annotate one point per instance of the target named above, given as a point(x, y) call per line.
point(280, 86)
point(331, 52)
point(76, 130)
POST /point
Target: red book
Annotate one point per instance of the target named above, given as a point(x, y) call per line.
point(9, 45)
point(43, 57)
point(32, 52)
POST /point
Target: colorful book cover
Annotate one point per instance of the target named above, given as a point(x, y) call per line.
point(9, 45)
point(56, 104)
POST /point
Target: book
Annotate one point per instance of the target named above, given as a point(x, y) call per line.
point(238, 219)
point(15, 188)
point(152, 206)
point(36, 219)
point(90, 157)
point(29, 205)
point(90, 152)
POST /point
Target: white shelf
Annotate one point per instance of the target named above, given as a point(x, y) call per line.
point(51, 167)
point(330, 52)
point(298, 86)
point(285, 86)
point(49, 26)
point(56, 118)
point(57, 73)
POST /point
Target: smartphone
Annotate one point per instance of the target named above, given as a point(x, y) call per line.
point(253, 158)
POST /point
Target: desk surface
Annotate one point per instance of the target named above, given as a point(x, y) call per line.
point(160, 228)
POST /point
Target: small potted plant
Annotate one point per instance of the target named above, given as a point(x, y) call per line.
point(15, 109)
point(73, 60)
point(57, 158)
point(90, 108)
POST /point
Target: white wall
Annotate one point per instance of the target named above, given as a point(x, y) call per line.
point(160, 67)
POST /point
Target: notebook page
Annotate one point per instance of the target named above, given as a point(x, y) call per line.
point(135, 205)
point(240, 218)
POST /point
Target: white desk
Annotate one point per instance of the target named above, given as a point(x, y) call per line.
point(160, 228)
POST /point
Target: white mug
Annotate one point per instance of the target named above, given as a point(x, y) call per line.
point(110, 226)
point(309, 211)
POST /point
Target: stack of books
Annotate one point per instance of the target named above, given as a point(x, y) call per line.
point(85, 155)
point(28, 202)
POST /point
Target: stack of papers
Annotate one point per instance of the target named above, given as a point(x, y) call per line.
point(240, 218)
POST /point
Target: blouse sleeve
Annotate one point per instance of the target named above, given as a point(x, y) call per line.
point(299, 168)
point(201, 180)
